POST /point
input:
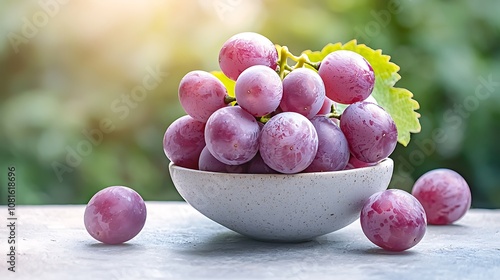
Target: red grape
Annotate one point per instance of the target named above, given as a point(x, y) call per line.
point(258, 166)
point(303, 92)
point(348, 77)
point(209, 163)
point(444, 194)
point(244, 50)
point(288, 142)
point(356, 163)
point(232, 135)
point(326, 108)
point(393, 220)
point(183, 142)
point(333, 150)
point(115, 215)
point(259, 90)
point(370, 131)
point(201, 94)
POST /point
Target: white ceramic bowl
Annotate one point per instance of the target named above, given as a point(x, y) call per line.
point(279, 207)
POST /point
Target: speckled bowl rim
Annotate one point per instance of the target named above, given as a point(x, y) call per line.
point(382, 163)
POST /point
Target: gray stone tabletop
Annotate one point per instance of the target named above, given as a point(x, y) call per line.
point(179, 243)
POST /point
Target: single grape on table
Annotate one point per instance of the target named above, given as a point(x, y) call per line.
point(393, 220)
point(115, 215)
point(444, 194)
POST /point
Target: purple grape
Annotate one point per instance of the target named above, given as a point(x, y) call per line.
point(333, 150)
point(348, 77)
point(444, 194)
point(115, 215)
point(326, 108)
point(393, 220)
point(303, 92)
point(244, 50)
point(232, 135)
point(370, 131)
point(356, 163)
point(259, 90)
point(288, 142)
point(183, 142)
point(258, 166)
point(209, 163)
point(201, 94)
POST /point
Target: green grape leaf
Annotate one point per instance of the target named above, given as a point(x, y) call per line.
point(398, 102)
point(228, 83)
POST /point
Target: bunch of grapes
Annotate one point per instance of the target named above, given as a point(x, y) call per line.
point(281, 119)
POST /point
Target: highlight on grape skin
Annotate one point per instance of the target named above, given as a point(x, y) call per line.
point(201, 94)
point(244, 50)
point(183, 141)
point(115, 215)
point(444, 194)
point(348, 76)
point(393, 220)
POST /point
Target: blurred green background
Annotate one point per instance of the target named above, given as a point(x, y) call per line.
point(87, 88)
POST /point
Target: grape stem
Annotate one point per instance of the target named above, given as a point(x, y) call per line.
point(228, 99)
point(334, 113)
point(267, 117)
point(300, 61)
point(283, 61)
